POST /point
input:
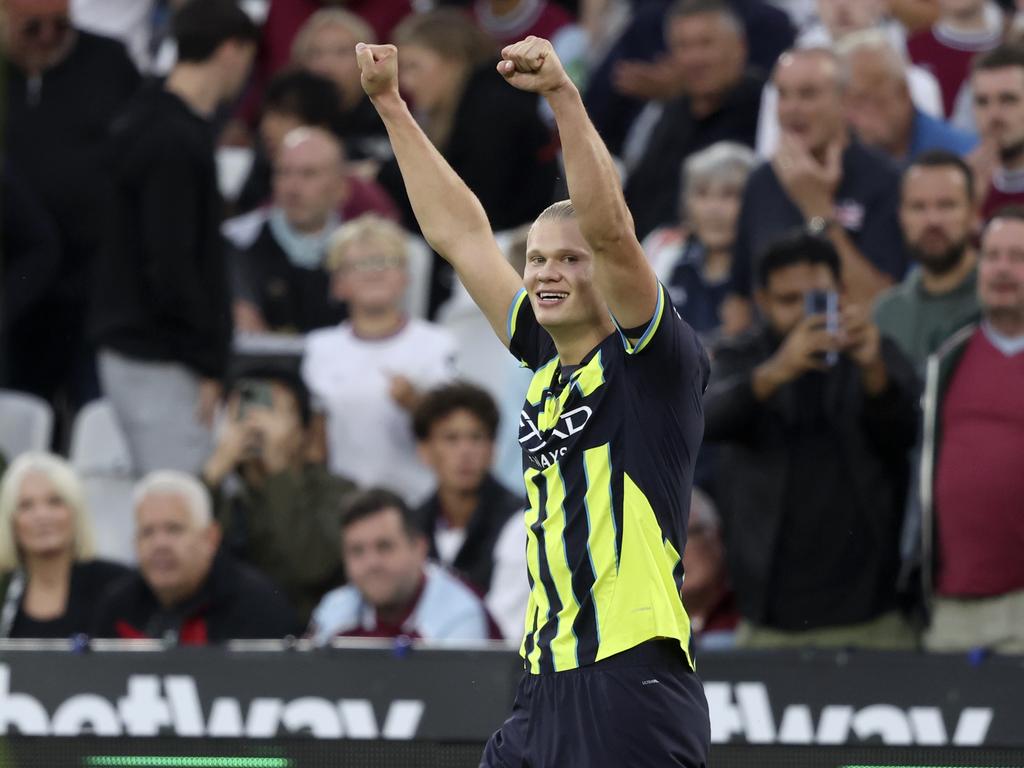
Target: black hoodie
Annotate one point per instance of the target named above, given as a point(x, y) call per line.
point(161, 290)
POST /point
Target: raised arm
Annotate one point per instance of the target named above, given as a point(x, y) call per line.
point(622, 272)
point(449, 214)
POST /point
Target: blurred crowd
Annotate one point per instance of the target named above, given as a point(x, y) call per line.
point(241, 398)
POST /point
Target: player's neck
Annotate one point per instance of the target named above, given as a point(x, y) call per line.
point(574, 344)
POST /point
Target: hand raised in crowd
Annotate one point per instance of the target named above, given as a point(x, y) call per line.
point(280, 437)
point(532, 65)
point(378, 69)
point(809, 183)
point(861, 341)
point(803, 350)
point(235, 441)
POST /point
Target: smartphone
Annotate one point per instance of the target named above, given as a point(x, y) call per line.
point(253, 392)
point(825, 303)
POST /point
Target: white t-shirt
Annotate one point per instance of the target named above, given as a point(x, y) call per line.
point(369, 436)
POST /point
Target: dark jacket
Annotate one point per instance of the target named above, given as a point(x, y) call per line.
point(291, 299)
point(862, 461)
point(89, 579)
point(475, 560)
point(233, 603)
point(161, 288)
point(939, 370)
point(55, 132)
point(289, 529)
point(500, 147)
point(652, 190)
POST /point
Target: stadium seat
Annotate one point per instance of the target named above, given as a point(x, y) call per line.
point(26, 423)
point(100, 455)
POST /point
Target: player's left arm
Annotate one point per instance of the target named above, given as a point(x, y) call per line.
point(622, 272)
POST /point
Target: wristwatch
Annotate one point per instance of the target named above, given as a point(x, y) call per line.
point(818, 225)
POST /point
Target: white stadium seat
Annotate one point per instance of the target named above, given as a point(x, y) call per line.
point(100, 455)
point(26, 423)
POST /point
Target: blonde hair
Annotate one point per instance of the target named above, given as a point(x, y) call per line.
point(560, 211)
point(448, 32)
point(330, 17)
point(181, 485)
point(368, 228)
point(65, 481)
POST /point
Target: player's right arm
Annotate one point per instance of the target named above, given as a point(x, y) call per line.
point(450, 216)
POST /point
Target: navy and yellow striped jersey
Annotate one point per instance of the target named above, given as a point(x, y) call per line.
point(608, 457)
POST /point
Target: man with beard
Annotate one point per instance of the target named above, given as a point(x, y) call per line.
point(998, 85)
point(937, 218)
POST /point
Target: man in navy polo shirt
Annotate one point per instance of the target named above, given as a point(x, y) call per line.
point(823, 179)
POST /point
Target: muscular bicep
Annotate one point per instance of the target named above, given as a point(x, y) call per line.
point(491, 281)
point(627, 282)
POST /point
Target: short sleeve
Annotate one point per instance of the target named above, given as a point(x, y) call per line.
point(527, 340)
point(669, 348)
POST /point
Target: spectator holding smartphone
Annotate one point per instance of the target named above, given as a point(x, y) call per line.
point(278, 512)
point(816, 456)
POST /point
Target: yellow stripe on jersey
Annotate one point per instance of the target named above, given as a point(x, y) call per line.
point(586, 379)
point(540, 381)
point(644, 601)
point(601, 526)
point(563, 646)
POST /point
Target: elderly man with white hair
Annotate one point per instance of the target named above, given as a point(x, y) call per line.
point(185, 592)
point(880, 106)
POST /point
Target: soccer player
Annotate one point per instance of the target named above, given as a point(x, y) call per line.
point(610, 431)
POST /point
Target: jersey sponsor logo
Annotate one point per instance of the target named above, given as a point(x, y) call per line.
point(543, 450)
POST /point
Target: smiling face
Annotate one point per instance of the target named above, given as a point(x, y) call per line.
point(383, 560)
point(43, 520)
point(370, 277)
point(559, 276)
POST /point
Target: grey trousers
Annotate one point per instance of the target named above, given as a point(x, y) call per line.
point(155, 403)
point(960, 624)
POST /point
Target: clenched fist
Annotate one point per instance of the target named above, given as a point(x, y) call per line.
point(378, 68)
point(531, 65)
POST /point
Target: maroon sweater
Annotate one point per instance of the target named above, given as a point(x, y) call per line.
point(979, 492)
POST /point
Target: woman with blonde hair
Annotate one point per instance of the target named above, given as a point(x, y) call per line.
point(448, 74)
point(49, 579)
point(326, 46)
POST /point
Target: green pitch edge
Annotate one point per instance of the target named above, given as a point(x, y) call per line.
point(140, 761)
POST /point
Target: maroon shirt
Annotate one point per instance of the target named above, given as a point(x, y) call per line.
point(979, 489)
point(947, 59)
point(998, 198)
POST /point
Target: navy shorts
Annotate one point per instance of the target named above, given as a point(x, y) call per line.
point(638, 709)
